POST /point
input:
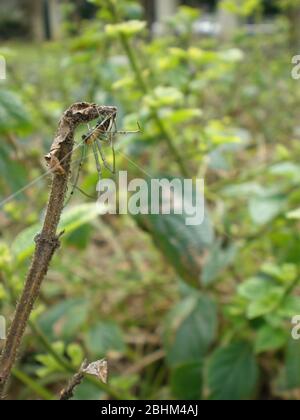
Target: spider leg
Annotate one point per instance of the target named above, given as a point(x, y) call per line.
point(74, 187)
point(106, 164)
point(114, 159)
point(98, 164)
point(84, 193)
point(113, 147)
point(116, 131)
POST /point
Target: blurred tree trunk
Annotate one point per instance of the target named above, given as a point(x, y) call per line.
point(35, 15)
point(293, 15)
point(165, 9)
point(44, 18)
point(54, 19)
point(228, 23)
point(149, 11)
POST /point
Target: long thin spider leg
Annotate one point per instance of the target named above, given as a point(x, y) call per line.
point(116, 131)
point(108, 139)
point(106, 164)
point(113, 147)
point(114, 159)
point(103, 138)
point(82, 159)
point(84, 193)
point(98, 164)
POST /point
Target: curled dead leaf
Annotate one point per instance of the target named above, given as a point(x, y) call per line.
point(98, 369)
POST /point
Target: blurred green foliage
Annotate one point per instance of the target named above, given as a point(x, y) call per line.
point(181, 312)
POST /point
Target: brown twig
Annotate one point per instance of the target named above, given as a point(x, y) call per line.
point(68, 393)
point(59, 160)
point(145, 362)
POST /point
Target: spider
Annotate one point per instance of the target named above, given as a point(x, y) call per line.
point(102, 133)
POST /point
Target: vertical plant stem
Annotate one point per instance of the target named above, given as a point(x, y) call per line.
point(33, 385)
point(165, 131)
point(68, 392)
point(69, 368)
point(50, 349)
point(47, 241)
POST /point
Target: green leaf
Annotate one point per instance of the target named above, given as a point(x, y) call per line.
point(266, 304)
point(233, 373)
point(242, 8)
point(129, 28)
point(78, 216)
point(13, 115)
point(244, 190)
point(190, 329)
point(49, 363)
point(64, 319)
point(76, 354)
point(87, 391)
point(124, 383)
point(255, 288)
point(163, 97)
point(287, 169)
point(5, 255)
point(269, 339)
point(289, 307)
point(284, 274)
point(232, 55)
point(202, 57)
point(104, 337)
point(263, 294)
point(182, 245)
point(263, 210)
point(183, 115)
point(218, 260)
point(72, 219)
point(23, 245)
point(294, 215)
point(187, 381)
point(81, 237)
point(292, 365)
point(12, 174)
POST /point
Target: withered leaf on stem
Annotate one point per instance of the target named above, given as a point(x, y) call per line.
point(98, 369)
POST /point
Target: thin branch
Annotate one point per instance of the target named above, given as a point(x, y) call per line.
point(69, 368)
point(68, 393)
point(33, 385)
point(47, 242)
point(145, 362)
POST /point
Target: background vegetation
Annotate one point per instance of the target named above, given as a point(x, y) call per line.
point(180, 312)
